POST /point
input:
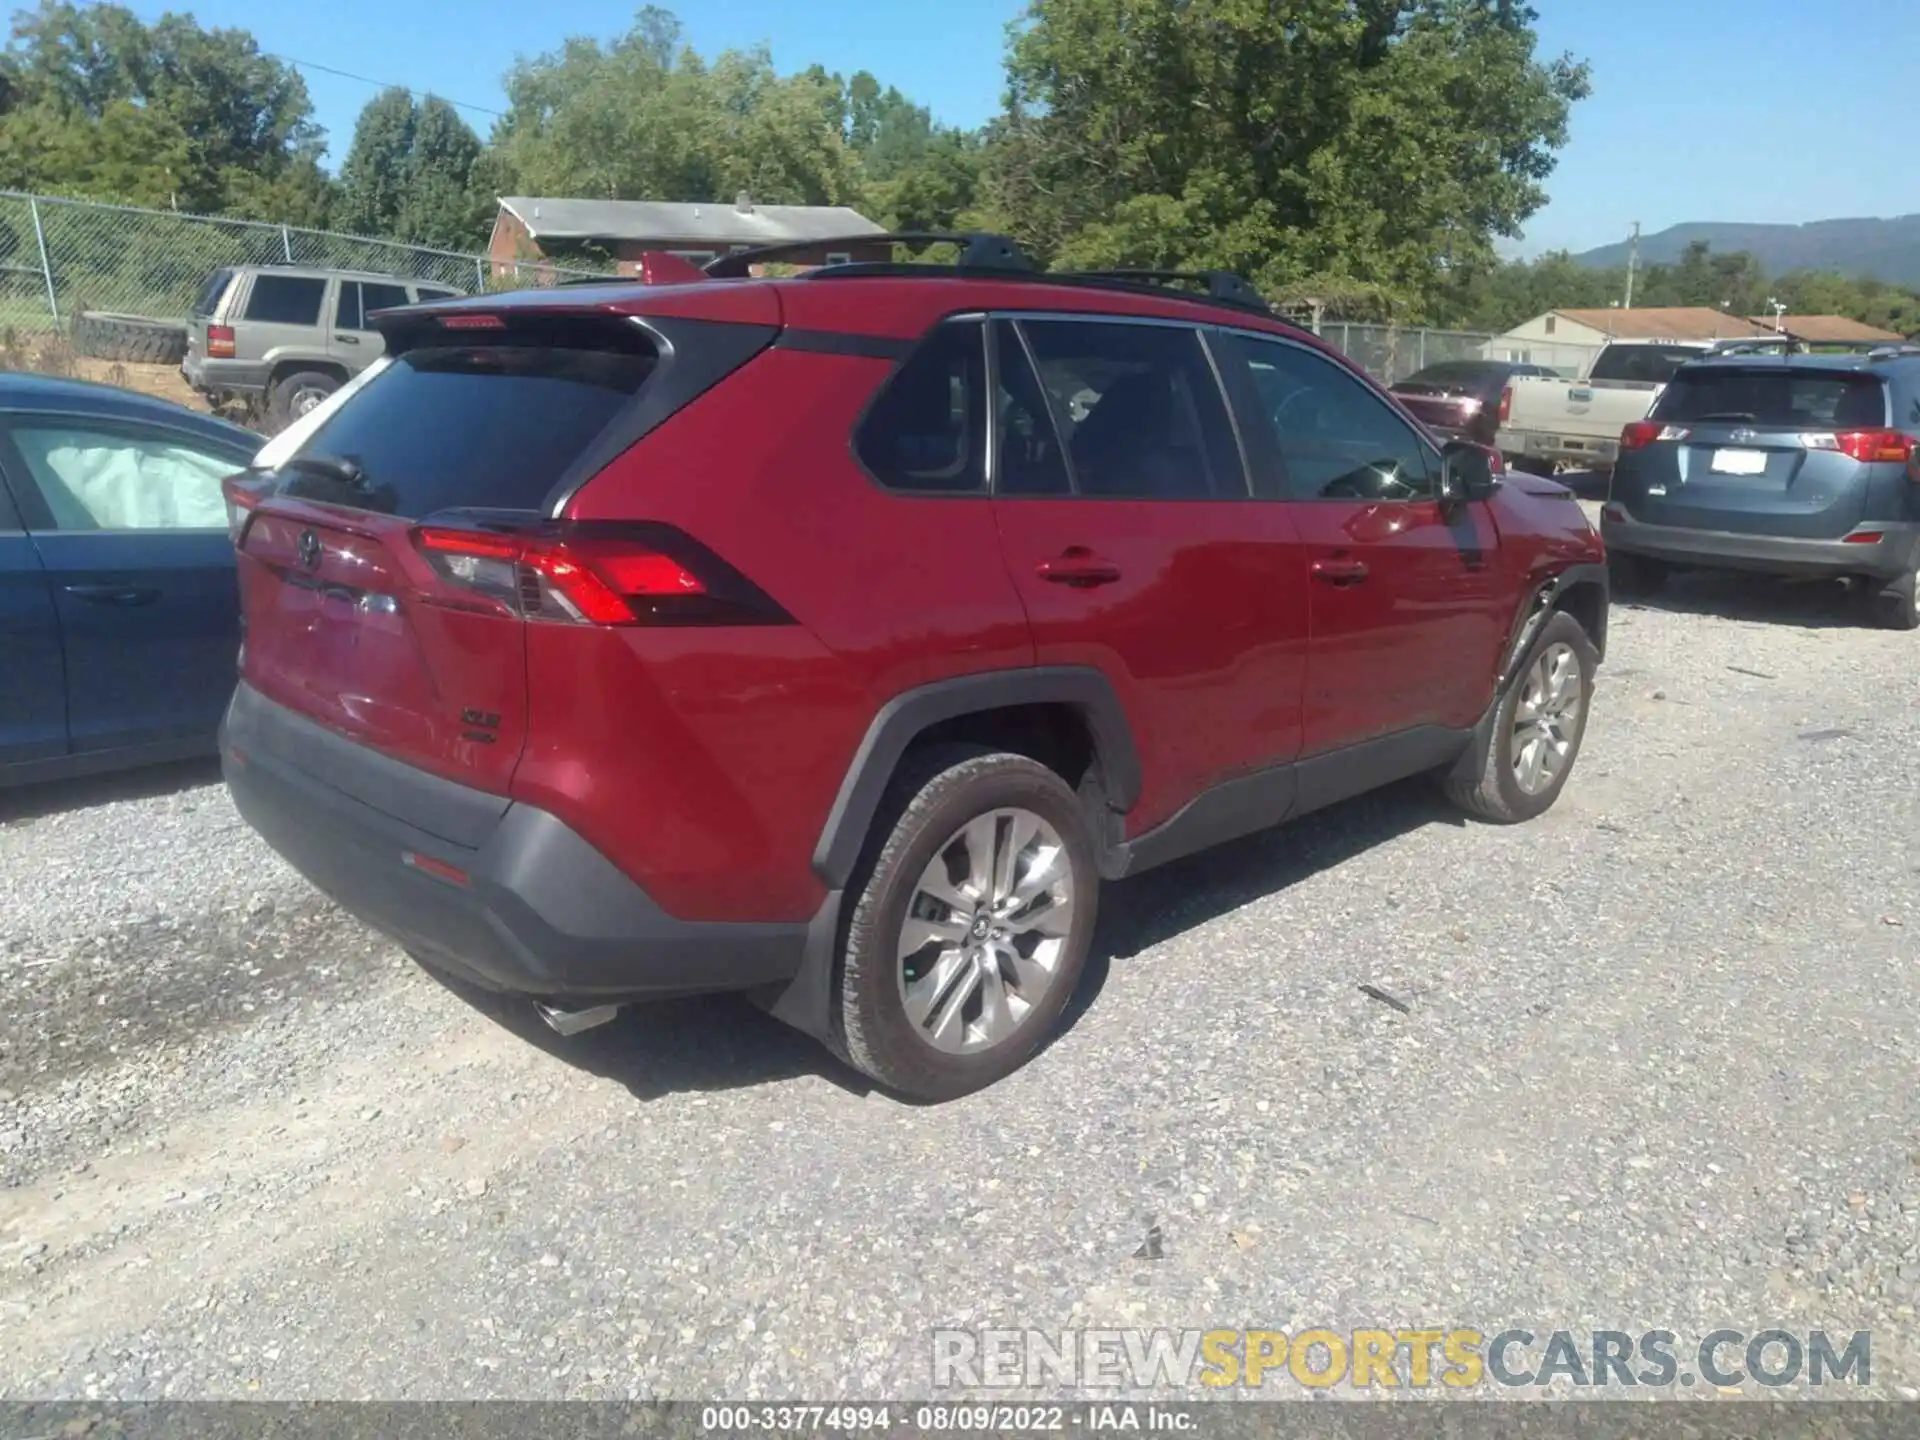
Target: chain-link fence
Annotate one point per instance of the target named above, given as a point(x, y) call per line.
point(59, 258)
point(1390, 353)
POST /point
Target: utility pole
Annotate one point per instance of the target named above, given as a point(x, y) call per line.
point(1633, 262)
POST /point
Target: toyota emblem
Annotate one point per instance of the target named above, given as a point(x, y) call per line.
point(310, 551)
point(1741, 437)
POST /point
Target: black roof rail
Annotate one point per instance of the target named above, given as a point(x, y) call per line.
point(978, 250)
point(981, 250)
point(1223, 287)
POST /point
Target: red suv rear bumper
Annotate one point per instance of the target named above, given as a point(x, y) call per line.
point(496, 892)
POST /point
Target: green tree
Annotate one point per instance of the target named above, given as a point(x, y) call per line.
point(413, 174)
point(374, 176)
point(647, 118)
point(1384, 143)
point(442, 207)
point(98, 103)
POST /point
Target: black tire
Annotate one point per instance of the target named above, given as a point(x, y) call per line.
point(1894, 604)
point(935, 797)
point(291, 390)
point(132, 339)
point(1484, 783)
point(1637, 574)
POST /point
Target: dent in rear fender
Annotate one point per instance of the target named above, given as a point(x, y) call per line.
point(908, 715)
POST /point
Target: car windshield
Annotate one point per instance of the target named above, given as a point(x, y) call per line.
point(1775, 396)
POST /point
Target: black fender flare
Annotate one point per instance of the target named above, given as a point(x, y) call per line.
point(807, 1001)
point(909, 714)
point(1541, 601)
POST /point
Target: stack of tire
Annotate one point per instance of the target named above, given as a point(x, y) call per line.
point(132, 339)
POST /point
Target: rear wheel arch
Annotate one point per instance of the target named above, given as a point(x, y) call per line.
point(1066, 717)
point(282, 368)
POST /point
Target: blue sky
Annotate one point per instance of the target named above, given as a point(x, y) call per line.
point(1755, 110)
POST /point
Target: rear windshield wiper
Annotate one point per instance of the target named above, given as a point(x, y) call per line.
point(335, 473)
point(330, 467)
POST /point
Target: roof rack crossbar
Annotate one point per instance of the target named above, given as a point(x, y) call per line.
point(979, 250)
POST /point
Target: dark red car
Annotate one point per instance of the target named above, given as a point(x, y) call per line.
point(834, 638)
point(1460, 399)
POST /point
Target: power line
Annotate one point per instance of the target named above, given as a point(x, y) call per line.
point(380, 84)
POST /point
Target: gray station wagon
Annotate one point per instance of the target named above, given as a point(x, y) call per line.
point(286, 337)
point(1797, 465)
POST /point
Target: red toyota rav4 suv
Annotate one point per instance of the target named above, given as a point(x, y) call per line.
point(833, 638)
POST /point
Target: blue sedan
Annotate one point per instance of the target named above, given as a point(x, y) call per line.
point(119, 617)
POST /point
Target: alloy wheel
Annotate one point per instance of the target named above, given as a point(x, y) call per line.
point(1547, 719)
point(986, 931)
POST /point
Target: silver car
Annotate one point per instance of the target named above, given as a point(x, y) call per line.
point(283, 337)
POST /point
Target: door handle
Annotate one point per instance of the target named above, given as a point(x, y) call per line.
point(1339, 572)
point(114, 594)
point(1080, 568)
point(348, 339)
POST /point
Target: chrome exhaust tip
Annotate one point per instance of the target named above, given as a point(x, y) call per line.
point(572, 1022)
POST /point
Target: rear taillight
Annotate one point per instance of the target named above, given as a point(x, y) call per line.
point(597, 575)
point(1872, 445)
point(1639, 434)
point(243, 492)
point(220, 344)
point(1506, 404)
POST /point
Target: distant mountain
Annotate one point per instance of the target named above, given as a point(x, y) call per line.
point(1885, 249)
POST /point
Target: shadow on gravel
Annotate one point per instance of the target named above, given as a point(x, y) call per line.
point(712, 1042)
point(723, 1042)
point(1810, 604)
point(1137, 914)
point(36, 802)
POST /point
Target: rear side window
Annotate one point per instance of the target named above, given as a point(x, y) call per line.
point(360, 298)
point(928, 430)
point(1139, 410)
point(1649, 364)
point(286, 299)
point(490, 426)
point(1804, 400)
point(377, 296)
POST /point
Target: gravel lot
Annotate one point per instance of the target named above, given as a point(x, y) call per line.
point(1656, 1070)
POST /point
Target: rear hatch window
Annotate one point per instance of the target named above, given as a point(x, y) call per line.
point(488, 425)
point(208, 301)
point(1775, 398)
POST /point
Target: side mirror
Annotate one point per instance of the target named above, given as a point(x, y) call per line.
point(1466, 473)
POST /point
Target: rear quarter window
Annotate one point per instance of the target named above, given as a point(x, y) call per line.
point(286, 299)
point(1776, 398)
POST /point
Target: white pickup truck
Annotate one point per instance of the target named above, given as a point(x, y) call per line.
point(1546, 422)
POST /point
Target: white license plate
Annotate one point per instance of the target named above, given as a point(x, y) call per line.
point(1739, 462)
